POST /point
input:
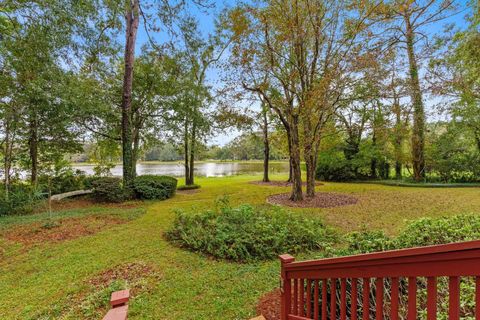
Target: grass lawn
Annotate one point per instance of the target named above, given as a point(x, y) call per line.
point(59, 278)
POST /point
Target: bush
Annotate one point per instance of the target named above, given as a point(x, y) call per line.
point(334, 167)
point(109, 189)
point(155, 187)
point(248, 233)
point(65, 181)
point(189, 187)
point(21, 200)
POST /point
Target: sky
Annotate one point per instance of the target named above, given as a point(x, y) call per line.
point(206, 19)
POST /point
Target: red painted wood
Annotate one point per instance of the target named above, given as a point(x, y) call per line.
point(366, 299)
point(431, 298)
point(394, 300)
point(354, 303)
point(333, 298)
point(454, 298)
point(118, 313)
point(412, 298)
point(477, 298)
point(286, 290)
point(119, 298)
point(295, 297)
point(309, 298)
point(343, 299)
point(301, 297)
point(315, 300)
point(434, 252)
point(324, 299)
point(379, 298)
point(294, 317)
point(451, 260)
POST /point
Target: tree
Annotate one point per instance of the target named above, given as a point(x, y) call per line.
point(296, 55)
point(406, 22)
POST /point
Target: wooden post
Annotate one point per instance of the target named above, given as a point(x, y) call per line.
point(285, 286)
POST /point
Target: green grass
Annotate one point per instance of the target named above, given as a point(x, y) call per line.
point(41, 280)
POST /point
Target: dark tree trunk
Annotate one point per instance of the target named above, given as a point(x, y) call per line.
point(192, 156)
point(186, 153)
point(132, 21)
point(7, 160)
point(418, 134)
point(297, 194)
point(290, 166)
point(266, 146)
point(373, 162)
point(33, 147)
point(398, 140)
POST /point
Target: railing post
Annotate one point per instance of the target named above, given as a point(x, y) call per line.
point(285, 286)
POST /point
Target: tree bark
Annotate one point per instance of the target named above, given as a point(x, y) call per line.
point(185, 151)
point(7, 161)
point(297, 194)
point(398, 139)
point(418, 134)
point(33, 147)
point(192, 155)
point(132, 21)
point(266, 146)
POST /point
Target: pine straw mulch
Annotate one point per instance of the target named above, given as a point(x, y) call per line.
point(280, 183)
point(321, 200)
point(269, 305)
point(191, 191)
point(92, 302)
point(61, 230)
point(85, 202)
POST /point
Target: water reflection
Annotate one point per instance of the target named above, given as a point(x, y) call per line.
point(204, 169)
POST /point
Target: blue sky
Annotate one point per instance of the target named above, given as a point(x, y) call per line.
point(206, 19)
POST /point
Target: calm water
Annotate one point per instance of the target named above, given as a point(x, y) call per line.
point(204, 169)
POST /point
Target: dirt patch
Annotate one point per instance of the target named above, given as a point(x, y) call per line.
point(280, 183)
point(321, 200)
point(131, 273)
point(191, 191)
point(85, 202)
point(269, 305)
point(61, 230)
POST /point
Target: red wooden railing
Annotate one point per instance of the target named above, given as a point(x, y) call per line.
point(380, 285)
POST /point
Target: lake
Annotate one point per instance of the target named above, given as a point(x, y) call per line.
point(204, 169)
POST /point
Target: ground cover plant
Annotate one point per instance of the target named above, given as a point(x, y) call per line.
point(248, 233)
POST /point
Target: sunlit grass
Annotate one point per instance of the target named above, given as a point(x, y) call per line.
point(42, 279)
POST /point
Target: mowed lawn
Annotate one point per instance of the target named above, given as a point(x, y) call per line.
point(63, 278)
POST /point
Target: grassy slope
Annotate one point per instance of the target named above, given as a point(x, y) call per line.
point(194, 286)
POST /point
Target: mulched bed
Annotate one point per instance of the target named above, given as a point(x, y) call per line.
point(191, 191)
point(321, 200)
point(280, 183)
point(61, 230)
point(85, 202)
point(269, 305)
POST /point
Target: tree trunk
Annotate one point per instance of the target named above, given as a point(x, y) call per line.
point(266, 146)
point(373, 161)
point(398, 140)
point(33, 147)
point(290, 165)
point(132, 21)
point(297, 194)
point(418, 134)
point(185, 151)
point(7, 161)
point(192, 155)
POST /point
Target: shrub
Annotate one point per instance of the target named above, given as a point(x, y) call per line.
point(189, 187)
point(248, 233)
point(155, 187)
point(109, 189)
point(64, 181)
point(21, 199)
point(334, 167)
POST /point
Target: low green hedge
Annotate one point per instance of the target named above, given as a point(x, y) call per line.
point(155, 187)
point(249, 233)
point(109, 189)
